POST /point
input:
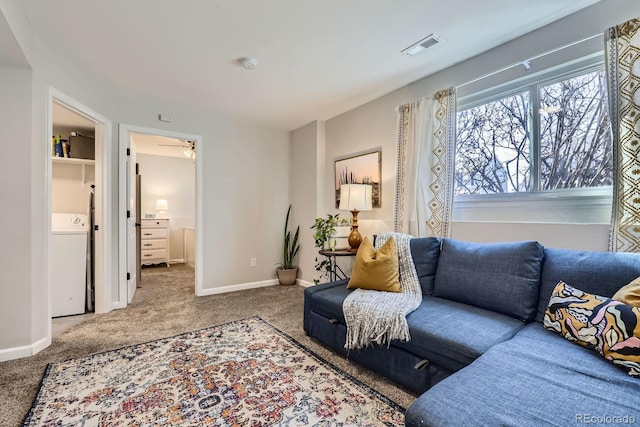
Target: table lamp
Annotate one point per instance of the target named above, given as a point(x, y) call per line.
point(355, 198)
point(162, 207)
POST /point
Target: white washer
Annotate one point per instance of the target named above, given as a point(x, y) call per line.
point(68, 263)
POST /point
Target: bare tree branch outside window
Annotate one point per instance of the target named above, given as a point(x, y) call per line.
point(493, 153)
point(575, 135)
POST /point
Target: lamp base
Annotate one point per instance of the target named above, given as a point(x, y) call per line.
point(354, 238)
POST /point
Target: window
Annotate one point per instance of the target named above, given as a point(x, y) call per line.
point(492, 152)
point(575, 136)
point(503, 147)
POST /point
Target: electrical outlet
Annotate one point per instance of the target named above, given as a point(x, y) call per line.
point(252, 262)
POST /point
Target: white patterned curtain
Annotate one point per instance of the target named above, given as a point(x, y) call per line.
point(622, 47)
point(425, 171)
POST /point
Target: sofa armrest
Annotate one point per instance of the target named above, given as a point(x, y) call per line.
point(308, 293)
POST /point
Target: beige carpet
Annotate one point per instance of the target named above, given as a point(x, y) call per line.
point(165, 305)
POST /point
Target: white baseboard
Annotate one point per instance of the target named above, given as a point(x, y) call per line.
point(176, 261)
point(239, 287)
point(304, 283)
point(25, 350)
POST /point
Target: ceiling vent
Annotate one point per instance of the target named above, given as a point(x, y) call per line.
point(422, 45)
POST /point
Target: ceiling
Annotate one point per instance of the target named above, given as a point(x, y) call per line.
point(315, 59)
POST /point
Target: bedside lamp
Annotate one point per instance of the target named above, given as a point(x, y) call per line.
point(355, 198)
point(162, 207)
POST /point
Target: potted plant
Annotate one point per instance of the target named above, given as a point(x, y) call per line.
point(286, 271)
point(331, 233)
point(324, 228)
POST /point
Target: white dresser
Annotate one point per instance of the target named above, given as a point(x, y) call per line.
point(154, 241)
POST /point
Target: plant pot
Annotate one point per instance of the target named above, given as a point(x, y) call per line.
point(287, 276)
point(339, 239)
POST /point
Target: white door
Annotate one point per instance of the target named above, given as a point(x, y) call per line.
point(132, 267)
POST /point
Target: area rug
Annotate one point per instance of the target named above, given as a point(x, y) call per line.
point(243, 373)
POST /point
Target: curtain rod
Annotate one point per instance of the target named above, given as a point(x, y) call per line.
point(525, 62)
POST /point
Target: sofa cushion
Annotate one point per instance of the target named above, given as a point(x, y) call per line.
point(537, 378)
point(607, 326)
point(376, 269)
point(629, 294)
point(447, 333)
point(425, 252)
point(502, 277)
point(327, 301)
point(452, 334)
point(600, 273)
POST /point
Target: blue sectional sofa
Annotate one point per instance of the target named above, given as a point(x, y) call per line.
point(479, 354)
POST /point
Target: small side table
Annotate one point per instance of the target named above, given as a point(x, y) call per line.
point(335, 272)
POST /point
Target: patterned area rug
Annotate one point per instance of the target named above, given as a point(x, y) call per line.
point(243, 373)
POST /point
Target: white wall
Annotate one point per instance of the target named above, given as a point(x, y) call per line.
point(70, 190)
point(589, 237)
point(307, 155)
point(245, 185)
point(173, 179)
point(17, 46)
point(245, 189)
point(374, 124)
point(51, 69)
point(15, 225)
point(246, 167)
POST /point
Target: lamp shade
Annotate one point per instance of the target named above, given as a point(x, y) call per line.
point(162, 205)
point(355, 197)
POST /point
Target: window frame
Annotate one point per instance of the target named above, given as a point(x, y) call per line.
point(568, 198)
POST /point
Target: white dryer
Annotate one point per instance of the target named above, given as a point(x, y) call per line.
point(68, 263)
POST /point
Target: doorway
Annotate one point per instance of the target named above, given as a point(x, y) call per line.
point(166, 165)
point(73, 175)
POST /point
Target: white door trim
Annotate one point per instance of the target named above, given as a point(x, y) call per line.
point(104, 241)
point(125, 132)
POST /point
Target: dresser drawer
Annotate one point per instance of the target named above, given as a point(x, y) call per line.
point(154, 244)
point(154, 233)
point(154, 254)
point(154, 223)
point(154, 241)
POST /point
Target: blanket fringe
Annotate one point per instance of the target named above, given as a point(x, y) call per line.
point(364, 334)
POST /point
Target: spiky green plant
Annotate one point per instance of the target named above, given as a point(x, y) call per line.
point(291, 246)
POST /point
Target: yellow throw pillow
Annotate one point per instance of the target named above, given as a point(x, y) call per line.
point(376, 270)
point(629, 294)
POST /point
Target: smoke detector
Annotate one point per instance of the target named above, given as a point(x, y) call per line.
point(421, 45)
point(248, 62)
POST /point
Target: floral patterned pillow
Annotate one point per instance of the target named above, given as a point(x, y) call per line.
point(607, 326)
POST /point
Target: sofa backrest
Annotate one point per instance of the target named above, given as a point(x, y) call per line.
point(600, 273)
point(425, 252)
point(501, 277)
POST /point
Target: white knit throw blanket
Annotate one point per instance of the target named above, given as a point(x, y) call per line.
point(380, 317)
